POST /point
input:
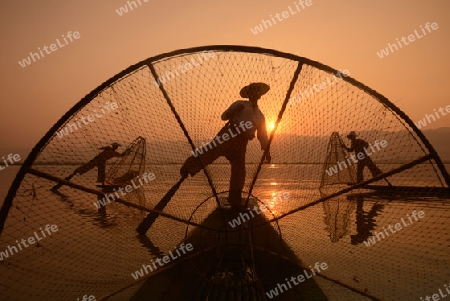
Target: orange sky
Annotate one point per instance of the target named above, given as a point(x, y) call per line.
point(342, 34)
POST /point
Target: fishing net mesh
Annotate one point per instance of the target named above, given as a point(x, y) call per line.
point(334, 172)
point(96, 250)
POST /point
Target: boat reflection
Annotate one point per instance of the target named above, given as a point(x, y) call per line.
point(338, 212)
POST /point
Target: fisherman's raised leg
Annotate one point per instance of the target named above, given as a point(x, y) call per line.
point(194, 164)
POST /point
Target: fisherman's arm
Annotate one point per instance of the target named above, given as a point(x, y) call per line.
point(349, 149)
point(125, 153)
point(110, 153)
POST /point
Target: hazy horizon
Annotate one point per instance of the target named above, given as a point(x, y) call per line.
point(435, 136)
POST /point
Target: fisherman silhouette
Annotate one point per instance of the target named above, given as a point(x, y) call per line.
point(98, 161)
point(359, 146)
point(244, 118)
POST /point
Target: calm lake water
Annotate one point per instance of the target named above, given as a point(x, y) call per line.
point(100, 253)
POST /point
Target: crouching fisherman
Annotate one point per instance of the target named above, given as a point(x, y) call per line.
point(99, 161)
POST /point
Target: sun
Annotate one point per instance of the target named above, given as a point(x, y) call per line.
point(271, 126)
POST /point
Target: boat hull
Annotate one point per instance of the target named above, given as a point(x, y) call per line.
point(241, 263)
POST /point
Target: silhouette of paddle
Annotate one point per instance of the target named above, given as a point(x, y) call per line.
point(148, 221)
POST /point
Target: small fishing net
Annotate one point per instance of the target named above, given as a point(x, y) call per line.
point(338, 167)
point(384, 237)
point(130, 165)
point(125, 174)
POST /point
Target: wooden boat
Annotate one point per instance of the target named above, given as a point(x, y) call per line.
point(234, 264)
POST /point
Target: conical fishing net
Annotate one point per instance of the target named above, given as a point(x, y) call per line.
point(382, 236)
point(336, 169)
point(130, 165)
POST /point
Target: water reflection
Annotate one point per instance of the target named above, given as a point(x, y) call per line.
point(150, 246)
point(338, 212)
point(274, 201)
point(337, 216)
point(365, 221)
point(100, 217)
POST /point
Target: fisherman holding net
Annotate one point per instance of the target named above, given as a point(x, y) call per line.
point(359, 146)
point(99, 161)
point(240, 113)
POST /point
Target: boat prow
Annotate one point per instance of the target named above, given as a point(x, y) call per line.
point(232, 263)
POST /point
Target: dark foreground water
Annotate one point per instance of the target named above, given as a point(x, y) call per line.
point(402, 265)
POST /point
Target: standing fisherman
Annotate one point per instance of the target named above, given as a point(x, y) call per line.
point(240, 112)
point(359, 146)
